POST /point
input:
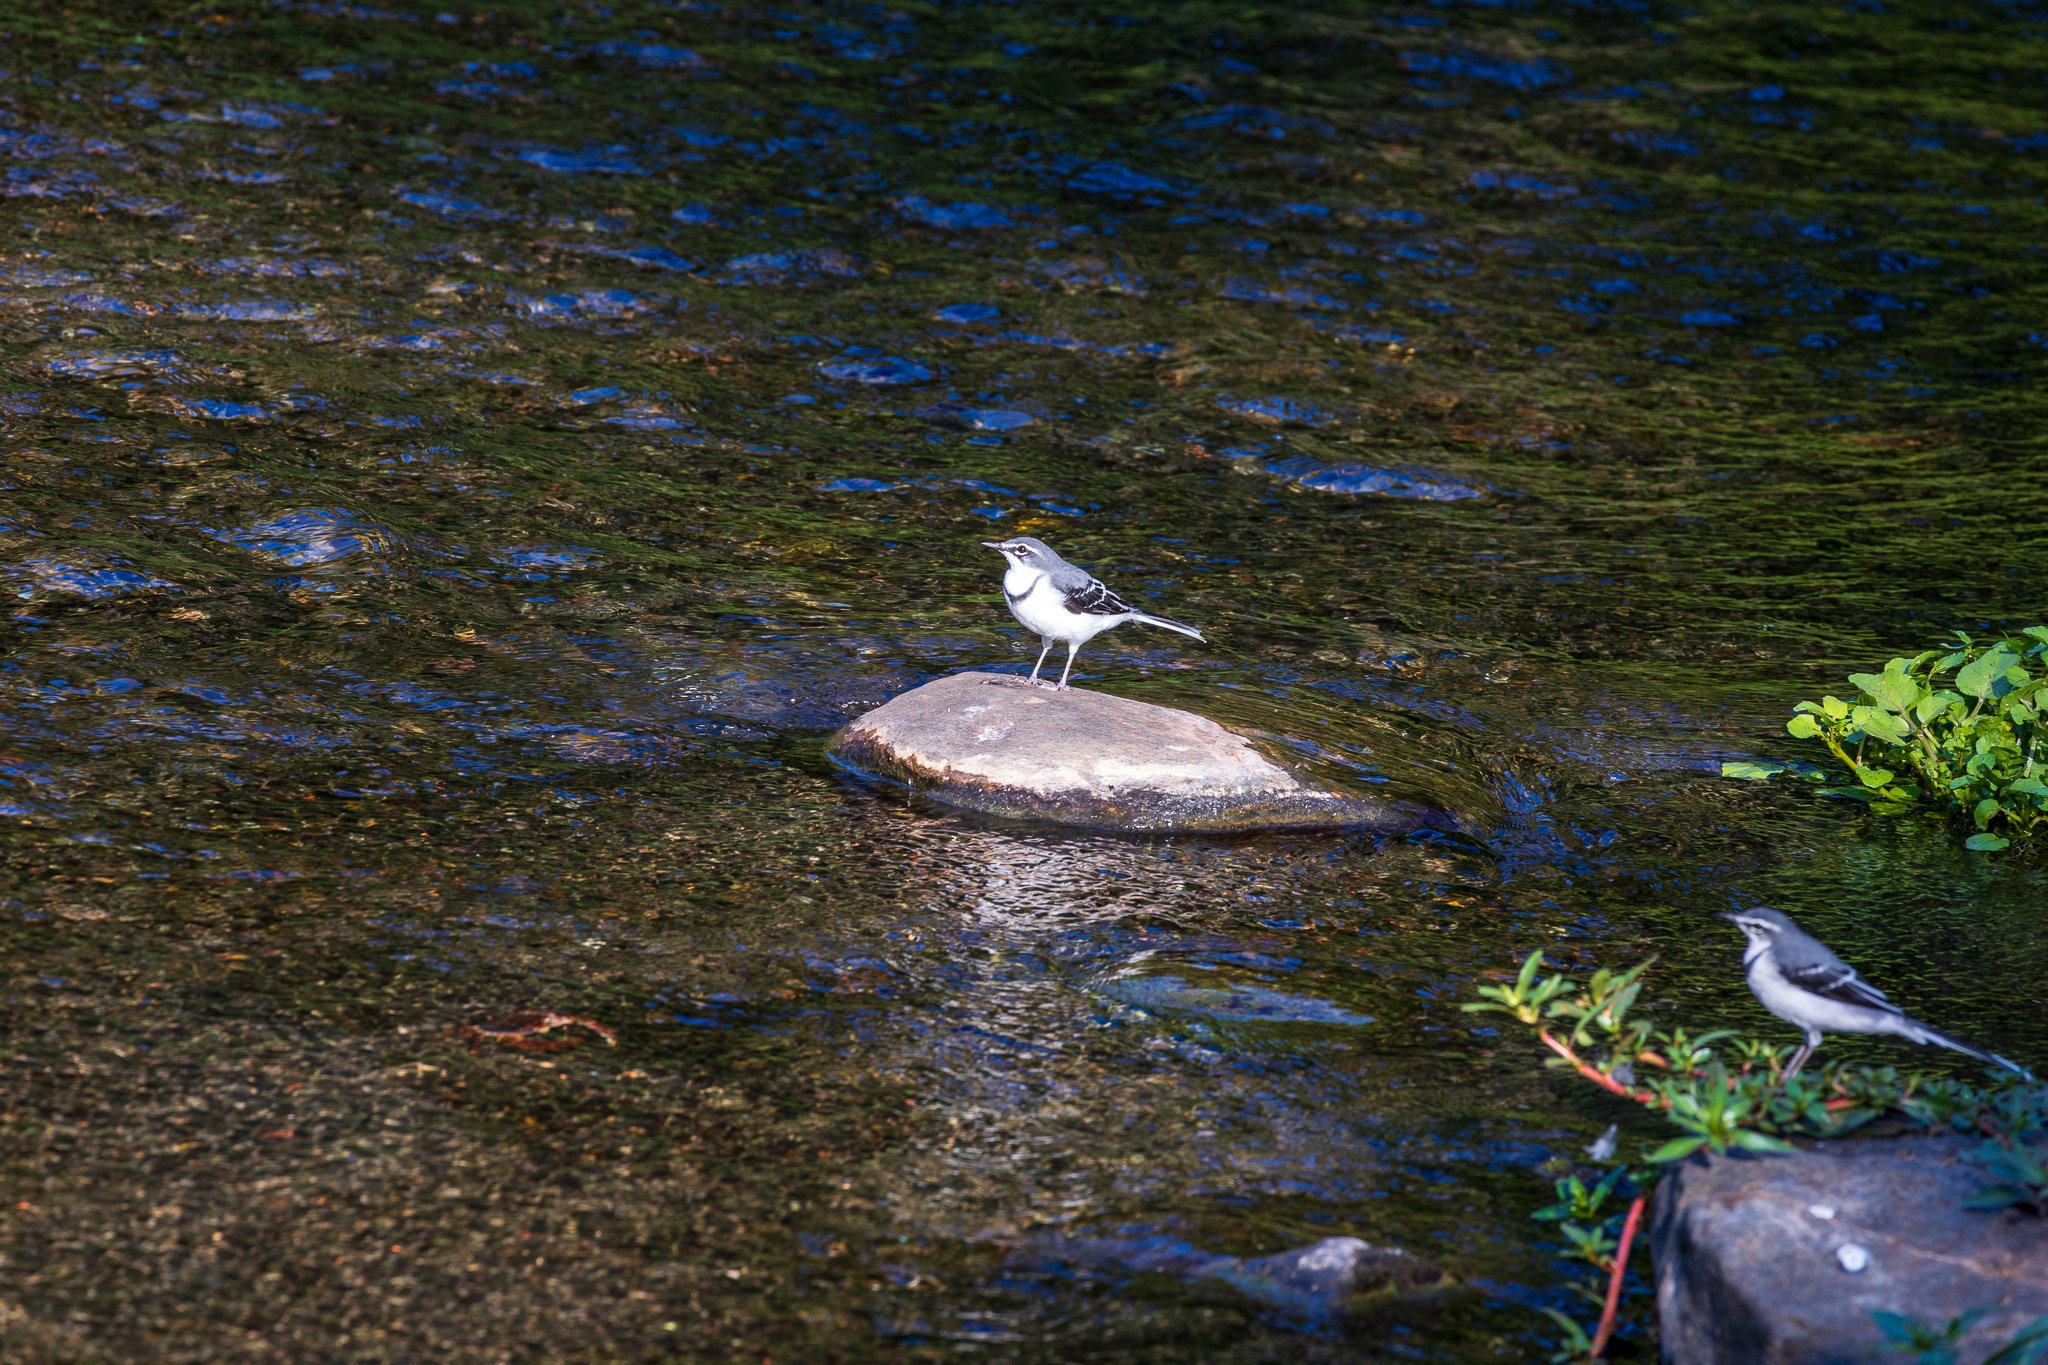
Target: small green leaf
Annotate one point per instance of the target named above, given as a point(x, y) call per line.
point(1996, 1197)
point(1875, 777)
point(2031, 1341)
point(1677, 1149)
point(1986, 843)
point(1752, 772)
point(1751, 1141)
point(1895, 689)
point(1879, 724)
point(1835, 707)
point(1803, 727)
point(1933, 704)
point(1984, 675)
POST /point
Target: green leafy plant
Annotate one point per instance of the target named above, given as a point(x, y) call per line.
point(1926, 1343)
point(1593, 1030)
point(2019, 1176)
point(1598, 1238)
point(1931, 1345)
point(1724, 1092)
point(1958, 729)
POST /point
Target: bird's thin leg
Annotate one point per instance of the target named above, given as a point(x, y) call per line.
point(1799, 1058)
point(1071, 647)
point(1041, 659)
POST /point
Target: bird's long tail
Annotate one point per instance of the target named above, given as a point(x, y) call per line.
point(1923, 1034)
point(1169, 625)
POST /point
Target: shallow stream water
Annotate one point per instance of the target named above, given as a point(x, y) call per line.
point(456, 470)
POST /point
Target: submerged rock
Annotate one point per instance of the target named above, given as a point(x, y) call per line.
point(998, 744)
point(1783, 1259)
point(1336, 1276)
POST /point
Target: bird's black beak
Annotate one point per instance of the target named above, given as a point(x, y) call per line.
point(991, 545)
point(1731, 916)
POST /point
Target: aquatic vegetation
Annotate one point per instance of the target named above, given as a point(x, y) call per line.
point(1958, 729)
point(1601, 1240)
point(1929, 1344)
point(1724, 1092)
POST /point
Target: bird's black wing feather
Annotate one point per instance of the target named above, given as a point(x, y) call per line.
point(1094, 599)
point(1838, 981)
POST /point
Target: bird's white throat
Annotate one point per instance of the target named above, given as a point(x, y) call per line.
point(1020, 579)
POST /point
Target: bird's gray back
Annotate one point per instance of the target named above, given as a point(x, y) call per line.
point(1068, 577)
point(1799, 952)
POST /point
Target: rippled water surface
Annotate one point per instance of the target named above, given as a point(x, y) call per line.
point(460, 467)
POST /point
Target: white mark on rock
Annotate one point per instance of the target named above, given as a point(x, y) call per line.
point(976, 710)
point(1821, 1210)
point(988, 734)
point(1853, 1258)
point(1333, 1253)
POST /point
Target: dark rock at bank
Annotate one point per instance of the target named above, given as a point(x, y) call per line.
point(1753, 1254)
point(1000, 745)
point(1336, 1277)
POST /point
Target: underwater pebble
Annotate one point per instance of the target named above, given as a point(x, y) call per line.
point(653, 56)
point(50, 573)
point(964, 418)
point(789, 267)
point(589, 161)
point(950, 217)
point(878, 372)
point(309, 535)
point(1853, 1258)
point(1370, 480)
point(1277, 411)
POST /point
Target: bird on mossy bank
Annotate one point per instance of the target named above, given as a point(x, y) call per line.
point(1057, 601)
point(1798, 978)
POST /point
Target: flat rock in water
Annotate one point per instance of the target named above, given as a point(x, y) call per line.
point(997, 744)
point(1336, 1277)
point(1780, 1260)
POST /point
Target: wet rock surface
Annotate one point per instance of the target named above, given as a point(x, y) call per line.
point(1754, 1256)
point(1335, 1277)
point(1001, 745)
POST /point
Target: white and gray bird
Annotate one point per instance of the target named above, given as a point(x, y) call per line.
point(1798, 979)
point(1056, 601)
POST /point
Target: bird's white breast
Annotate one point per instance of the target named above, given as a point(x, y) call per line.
point(1042, 609)
point(1037, 605)
point(1807, 1010)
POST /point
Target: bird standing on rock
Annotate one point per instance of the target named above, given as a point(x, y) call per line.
point(1054, 600)
point(1798, 979)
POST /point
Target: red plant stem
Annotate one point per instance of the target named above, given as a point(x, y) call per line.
point(1596, 1076)
point(1613, 1305)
